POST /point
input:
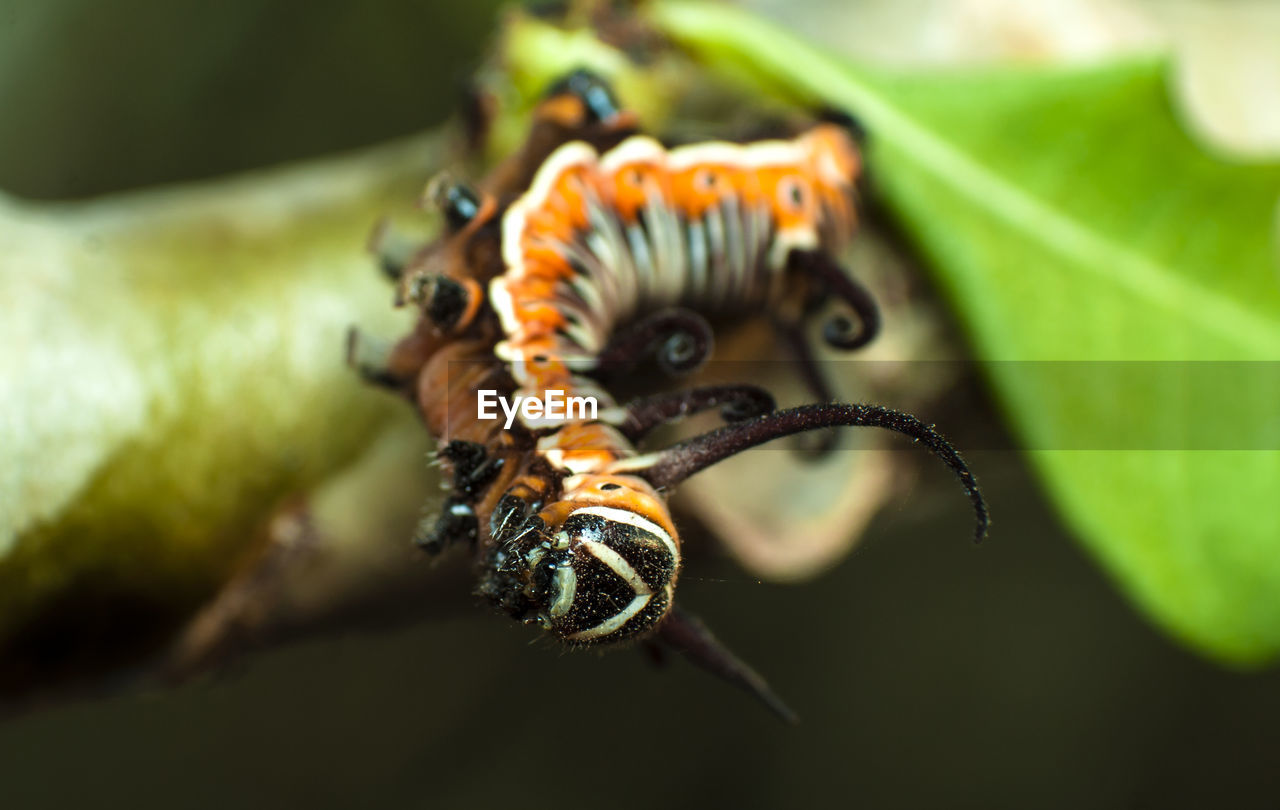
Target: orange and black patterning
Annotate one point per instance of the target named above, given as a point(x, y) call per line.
point(592, 246)
point(598, 238)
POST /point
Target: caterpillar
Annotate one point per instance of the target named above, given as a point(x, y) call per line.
point(593, 246)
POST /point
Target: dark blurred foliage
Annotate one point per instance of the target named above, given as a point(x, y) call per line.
point(928, 672)
point(97, 97)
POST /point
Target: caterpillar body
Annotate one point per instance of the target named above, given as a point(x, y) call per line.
point(599, 535)
point(598, 238)
point(588, 227)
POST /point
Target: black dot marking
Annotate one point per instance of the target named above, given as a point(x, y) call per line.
point(791, 194)
point(460, 206)
point(447, 302)
point(611, 486)
point(597, 98)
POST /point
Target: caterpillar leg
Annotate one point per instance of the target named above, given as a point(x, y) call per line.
point(473, 467)
point(673, 465)
point(514, 527)
point(737, 402)
point(391, 249)
point(371, 358)
point(390, 365)
point(512, 516)
point(473, 470)
point(456, 523)
point(691, 638)
point(681, 340)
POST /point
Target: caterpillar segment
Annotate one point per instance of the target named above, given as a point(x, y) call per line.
point(598, 238)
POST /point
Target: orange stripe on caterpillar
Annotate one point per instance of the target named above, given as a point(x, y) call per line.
point(641, 227)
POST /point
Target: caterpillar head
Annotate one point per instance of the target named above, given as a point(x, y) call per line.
point(590, 570)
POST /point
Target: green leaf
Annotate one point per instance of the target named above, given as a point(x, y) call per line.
point(1070, 218)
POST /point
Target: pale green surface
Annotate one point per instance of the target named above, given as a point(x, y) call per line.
point(1069, 218)
point(171, 368)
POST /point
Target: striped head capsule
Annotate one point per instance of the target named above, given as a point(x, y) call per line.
point(595, 571)
point(608, 576)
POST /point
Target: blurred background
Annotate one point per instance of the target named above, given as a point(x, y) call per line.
point(927, 672)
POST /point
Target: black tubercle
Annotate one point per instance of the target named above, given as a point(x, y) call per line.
point(442, 299)
point(473, 467)
point(459, 205)
point(596, 95)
